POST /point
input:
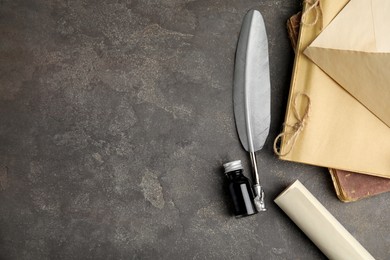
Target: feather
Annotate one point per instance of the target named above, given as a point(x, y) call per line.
point(252, 108)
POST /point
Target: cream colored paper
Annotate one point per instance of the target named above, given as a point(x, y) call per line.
point(319, 224)
point(339, 131)
point(354, 50)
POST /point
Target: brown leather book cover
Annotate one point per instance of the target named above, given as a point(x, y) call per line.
point(293, 25)
point(349, 186)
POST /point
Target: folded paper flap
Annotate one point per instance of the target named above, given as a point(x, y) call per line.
point(353, 54)
point(362, 26)
point(381, 20)
point(364, 76)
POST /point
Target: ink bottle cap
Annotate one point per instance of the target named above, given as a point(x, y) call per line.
point(232, 166)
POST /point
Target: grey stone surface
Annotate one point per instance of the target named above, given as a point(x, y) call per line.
point(115, 119)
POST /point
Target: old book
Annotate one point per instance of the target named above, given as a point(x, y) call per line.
point(353, 186)
point(293, 24)
point(349, 186)
point(324, 124)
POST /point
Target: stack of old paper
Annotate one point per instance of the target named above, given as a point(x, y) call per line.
point(349, 186)
point(337, 114)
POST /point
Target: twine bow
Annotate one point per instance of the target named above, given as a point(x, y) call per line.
point(295, 129)
point(314, 5)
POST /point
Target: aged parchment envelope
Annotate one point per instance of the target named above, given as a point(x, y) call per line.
point(354, 50)
point(339, 131)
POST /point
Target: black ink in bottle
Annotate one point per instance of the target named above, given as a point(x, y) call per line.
point(240, 190)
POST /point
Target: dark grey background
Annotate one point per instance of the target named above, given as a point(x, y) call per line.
point(115, 119)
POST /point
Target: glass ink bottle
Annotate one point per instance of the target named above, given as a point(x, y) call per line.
point(240, 190)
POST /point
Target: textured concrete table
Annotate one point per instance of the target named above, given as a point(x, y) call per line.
point(115, 119)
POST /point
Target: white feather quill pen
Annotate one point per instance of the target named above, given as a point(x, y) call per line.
point(252, 93)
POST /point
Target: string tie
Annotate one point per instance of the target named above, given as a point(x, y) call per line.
point(291, 132)
point(313, 6)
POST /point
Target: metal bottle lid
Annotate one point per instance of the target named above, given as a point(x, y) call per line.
point(233, 166)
